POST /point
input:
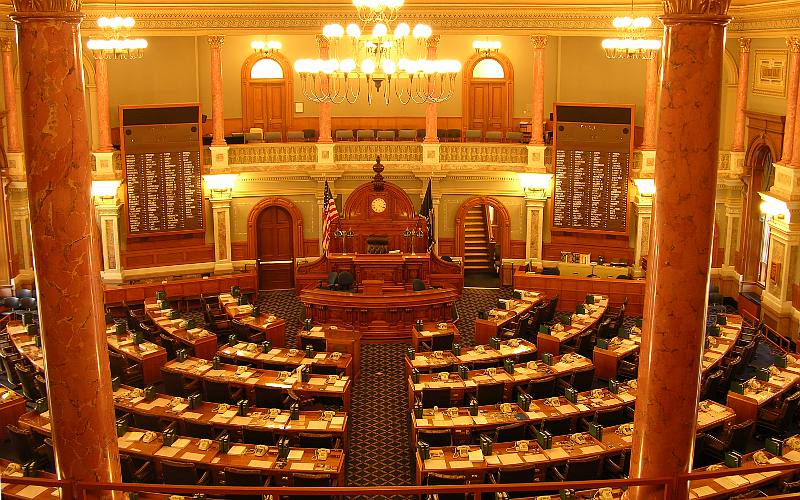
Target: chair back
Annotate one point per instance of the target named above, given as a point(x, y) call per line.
point(258, 435)
point(436, 437)
point(173, 383)
point(178, 472)
point(314, 440)
point(243, 477)
point(321, 369)
point(582, 380)
point(24, 293)
point(269, 397)
point(41, 385)
point(346, 280)
point(490, 394)
point(217, 392)
point(25, 375)
point(8, 360)
point(436, 396)
point(418, 285)
point(241, 331)
point(558, 426)
point(511, 432)
point(586, 345)
point(550, 312)
point(442, 342)
point(542, 388)
point(740, 435)
point(200, 430)
point(21, 443)
point(435, 479)
point(333, 276)
point(610, 416)
point(169, 345)
point(118, 364)
point(584, 469)
point(524, 473)
point(318, 344)
point(711, 385)
point(27, 303)
point(11, 302)
point(147, 421)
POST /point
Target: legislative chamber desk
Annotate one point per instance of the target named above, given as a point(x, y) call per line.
point(24, 491)
point(274, 328)
point(581, 323)
point(285, 359)
point(396, 270)
point(439, 360)
point(572, 290)
point(761, 393)
point(499, 319)
point(178, 289)
point(381, 317)
point(12, 405)
point(200, 342)
point(344, 340)
point(239, 456)
point(430, 330)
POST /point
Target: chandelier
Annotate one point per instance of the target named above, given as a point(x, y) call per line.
point(631, 43)
point(382, 61)
point(115, 43)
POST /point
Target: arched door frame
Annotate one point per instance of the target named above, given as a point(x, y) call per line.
point(294, 214)
point(503, 224)
point(287, 80)
point(508, 78)
point(755, 150)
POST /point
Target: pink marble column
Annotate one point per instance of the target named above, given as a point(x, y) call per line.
point(650, 103)
point(539, 43)
point(431, 108)
point(215, 43)
point(680, 263)
point(12, 120)
point(741, 94)
point(65, 243)
point(325, 108)
point(793, 42)
point(103, 107)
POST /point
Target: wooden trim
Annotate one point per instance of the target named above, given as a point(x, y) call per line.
point(503, 227)
point(311, 247)
point(508, 71)
point(174, 256)
point(288, 98)
point(239, 250)
point(297, 225)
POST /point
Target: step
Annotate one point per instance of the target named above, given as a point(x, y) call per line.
point(476, 267)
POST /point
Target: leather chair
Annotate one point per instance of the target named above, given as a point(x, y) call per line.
point(418, 285)
point(135, 473)
point(558, 426)
point(258, 435)
point(577, 470)
point(314, 440)
point(200, 430)
point(151, 422)
point(9, 359)
point(245, 477)
point(310, 481)
point(540, 389)
point(606, 417)
point(333, 277)
point(317, 344)
point(778, 420)
point(221, 392)
point(183, 473)
point(345, 281)
point(272, 397)
point(438, 343)
point(23, 446)
point(516, 474)
point(25, 375)
point(490, 394)
point(511, 432)
point(580, 380)
point(129, 374)
point(436, 479)
point(175, 384)
point(169, 345)
point(41, 384)
point(436, 438)
point(733, 437)
point(24, 293)
point(436, 396)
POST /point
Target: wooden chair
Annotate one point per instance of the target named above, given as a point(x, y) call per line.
point(436, 438)
point(577, 470)
point(183, 473)
point(436, 396)
point(511, 432)
point(176, 384)
point(221, 392)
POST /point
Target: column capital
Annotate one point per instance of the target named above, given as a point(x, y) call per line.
point(744, 45)
point(322, 41)
point(40, 6)
point(433, 41)
point(702, 7)
point(539, 41)
point(5, 44)
point(793, 42)
point(216, 41)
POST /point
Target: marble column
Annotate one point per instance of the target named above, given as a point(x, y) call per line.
point(535, 203)
point(325, 108)
point(431, 108)
point(539, 43)
point(650, 104)
point(103, 107)
point(215, 43)
point(221, 214)
point(66, 258)
point(10, 95)
point(680, 254)
point(793, 42)
point(108, 219)
point(741, 95)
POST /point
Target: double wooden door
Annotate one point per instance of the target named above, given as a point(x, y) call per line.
point(488, 105)
point(265, 104)
point(275, 249)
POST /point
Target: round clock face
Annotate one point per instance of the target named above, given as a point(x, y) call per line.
point(378, 205)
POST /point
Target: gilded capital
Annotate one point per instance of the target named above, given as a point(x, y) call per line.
point(793, 42)
point(707, 7)
point(5, 44)
point(322, 41)
point(216, 41)
point(33, 6)
point(433, 41)
point(744, 45)
point(539, 41)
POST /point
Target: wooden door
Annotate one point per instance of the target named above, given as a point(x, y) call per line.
point(266, 106)
point(488, 104)
point(275, 249)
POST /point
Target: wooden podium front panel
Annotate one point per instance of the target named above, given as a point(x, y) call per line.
point(572, 291)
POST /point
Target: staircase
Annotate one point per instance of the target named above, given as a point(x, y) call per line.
point(476, 241)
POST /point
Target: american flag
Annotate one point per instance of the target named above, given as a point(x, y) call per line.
point(330, 216)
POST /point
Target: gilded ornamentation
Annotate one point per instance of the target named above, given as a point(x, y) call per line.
point(222, 237)
point(724, 162)
point(5, 44)
point(793, 42)
point(433, 41)
point(322, 41)
point(744, 45)
point(483, 153)
point(272, 153)
point(708, 7)
point(47, 5)
point(110, 242)
point(535, 235)
point(539, 41)
point(216, 41)
point(644, 243)
point(368, 152)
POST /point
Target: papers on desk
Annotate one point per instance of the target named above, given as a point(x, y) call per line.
point(181, 443)
point(180, 407)
point(534, 457)
point(703, 491)
point(295, 455)
point(480, 420)
point(592, 449)
point(281, 419)
point(731, 482)
point(132, 436)
point(535, 415)
point(320, 355)
point(556, 453)
point(317, 425)
point(167, 451)
point(627, 397)
point(31, 491)
point(435, 464)
point(340, 383)
point(192, 415)
point(337, 421)
point(241, 420)
point(237, 450)
point(195, 457)
point(476, 456)
point(261, 464)
point(793, 455)
point(460, 464)
point(493, 460)
point(509, 459)
point(302, 466)
point(316, 329)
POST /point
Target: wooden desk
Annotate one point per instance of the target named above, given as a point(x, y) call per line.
point(253, 353)
point(427, 362)
point(380, 318)
point(431, 329)
point(551, 343)
point(25, 344)
point(252, 377)
point(149, 355)
point(500, 318)
point(337, 339)
point(12, 405)
point(606, 361)
point(747, 405)
point(213, 285)
point(274, 328)
point(240, 456)
point(201, 342)
point(572, 291)
point(24, 491)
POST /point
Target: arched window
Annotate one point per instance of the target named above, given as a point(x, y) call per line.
point(488, 68)
point(266, 68)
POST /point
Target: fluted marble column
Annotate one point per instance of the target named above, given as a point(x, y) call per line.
point(65, 246)
point(431, 108)
point(680, 263)
point(215, 43)
point(103, 117)
point(793, 42)
point(650, 104)
point(325, 108)
point(539, 43)
point(741, 94)
point(12, 119)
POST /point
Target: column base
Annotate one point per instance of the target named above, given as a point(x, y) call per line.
point(223, 267)
point(112, 277)
point(325, 153)
point(430, 152)
point(219, 157)
point(16, 165)
point(536, 155)
point(644, 161)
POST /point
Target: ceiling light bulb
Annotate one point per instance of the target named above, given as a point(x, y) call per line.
point(368, 66)
point(402, 30)
point(347, 65)
point(380, 30)
point(388, 66)
point(333, 31)
point(353, 30)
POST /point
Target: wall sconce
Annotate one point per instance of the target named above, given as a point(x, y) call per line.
point(266, 47)
point(486, 47)
point(220, 185)
point(646, 187)
point(773, 207)
point(105, 191)
point(536, 182)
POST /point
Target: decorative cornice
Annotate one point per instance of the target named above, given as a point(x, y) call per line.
point(744, 45)
point(539, 41)
point(216, 41)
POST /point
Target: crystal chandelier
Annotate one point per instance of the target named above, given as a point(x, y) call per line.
point(115, 43)
point(384, 61)
point(631, 43)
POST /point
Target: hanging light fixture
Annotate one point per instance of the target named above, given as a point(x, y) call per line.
point(632, 42)
point(115, 42)
point(388, 61)
point(266, 48)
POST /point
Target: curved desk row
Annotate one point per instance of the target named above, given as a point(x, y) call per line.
point(211, 285)
point(440, 360)
point(274, 328)
point(286, 359)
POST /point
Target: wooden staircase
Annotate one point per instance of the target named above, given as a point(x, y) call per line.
point(477, 239)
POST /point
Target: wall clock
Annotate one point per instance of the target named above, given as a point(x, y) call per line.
point(378, 205)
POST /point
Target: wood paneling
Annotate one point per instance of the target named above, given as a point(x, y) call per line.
point(572, 291)
point(166, 251)
point(612, 247)
point(517, 249)
point(239, 250)
point(311, 247)
point(446, 246)
point(117, 294)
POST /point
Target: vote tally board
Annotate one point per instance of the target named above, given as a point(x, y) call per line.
point(161, 151)
point(592, 147)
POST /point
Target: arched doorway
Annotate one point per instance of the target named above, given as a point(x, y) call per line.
point(488, 93)
point(482, 234)
point(754, 245)
point(275, 239)
point(267, 93)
